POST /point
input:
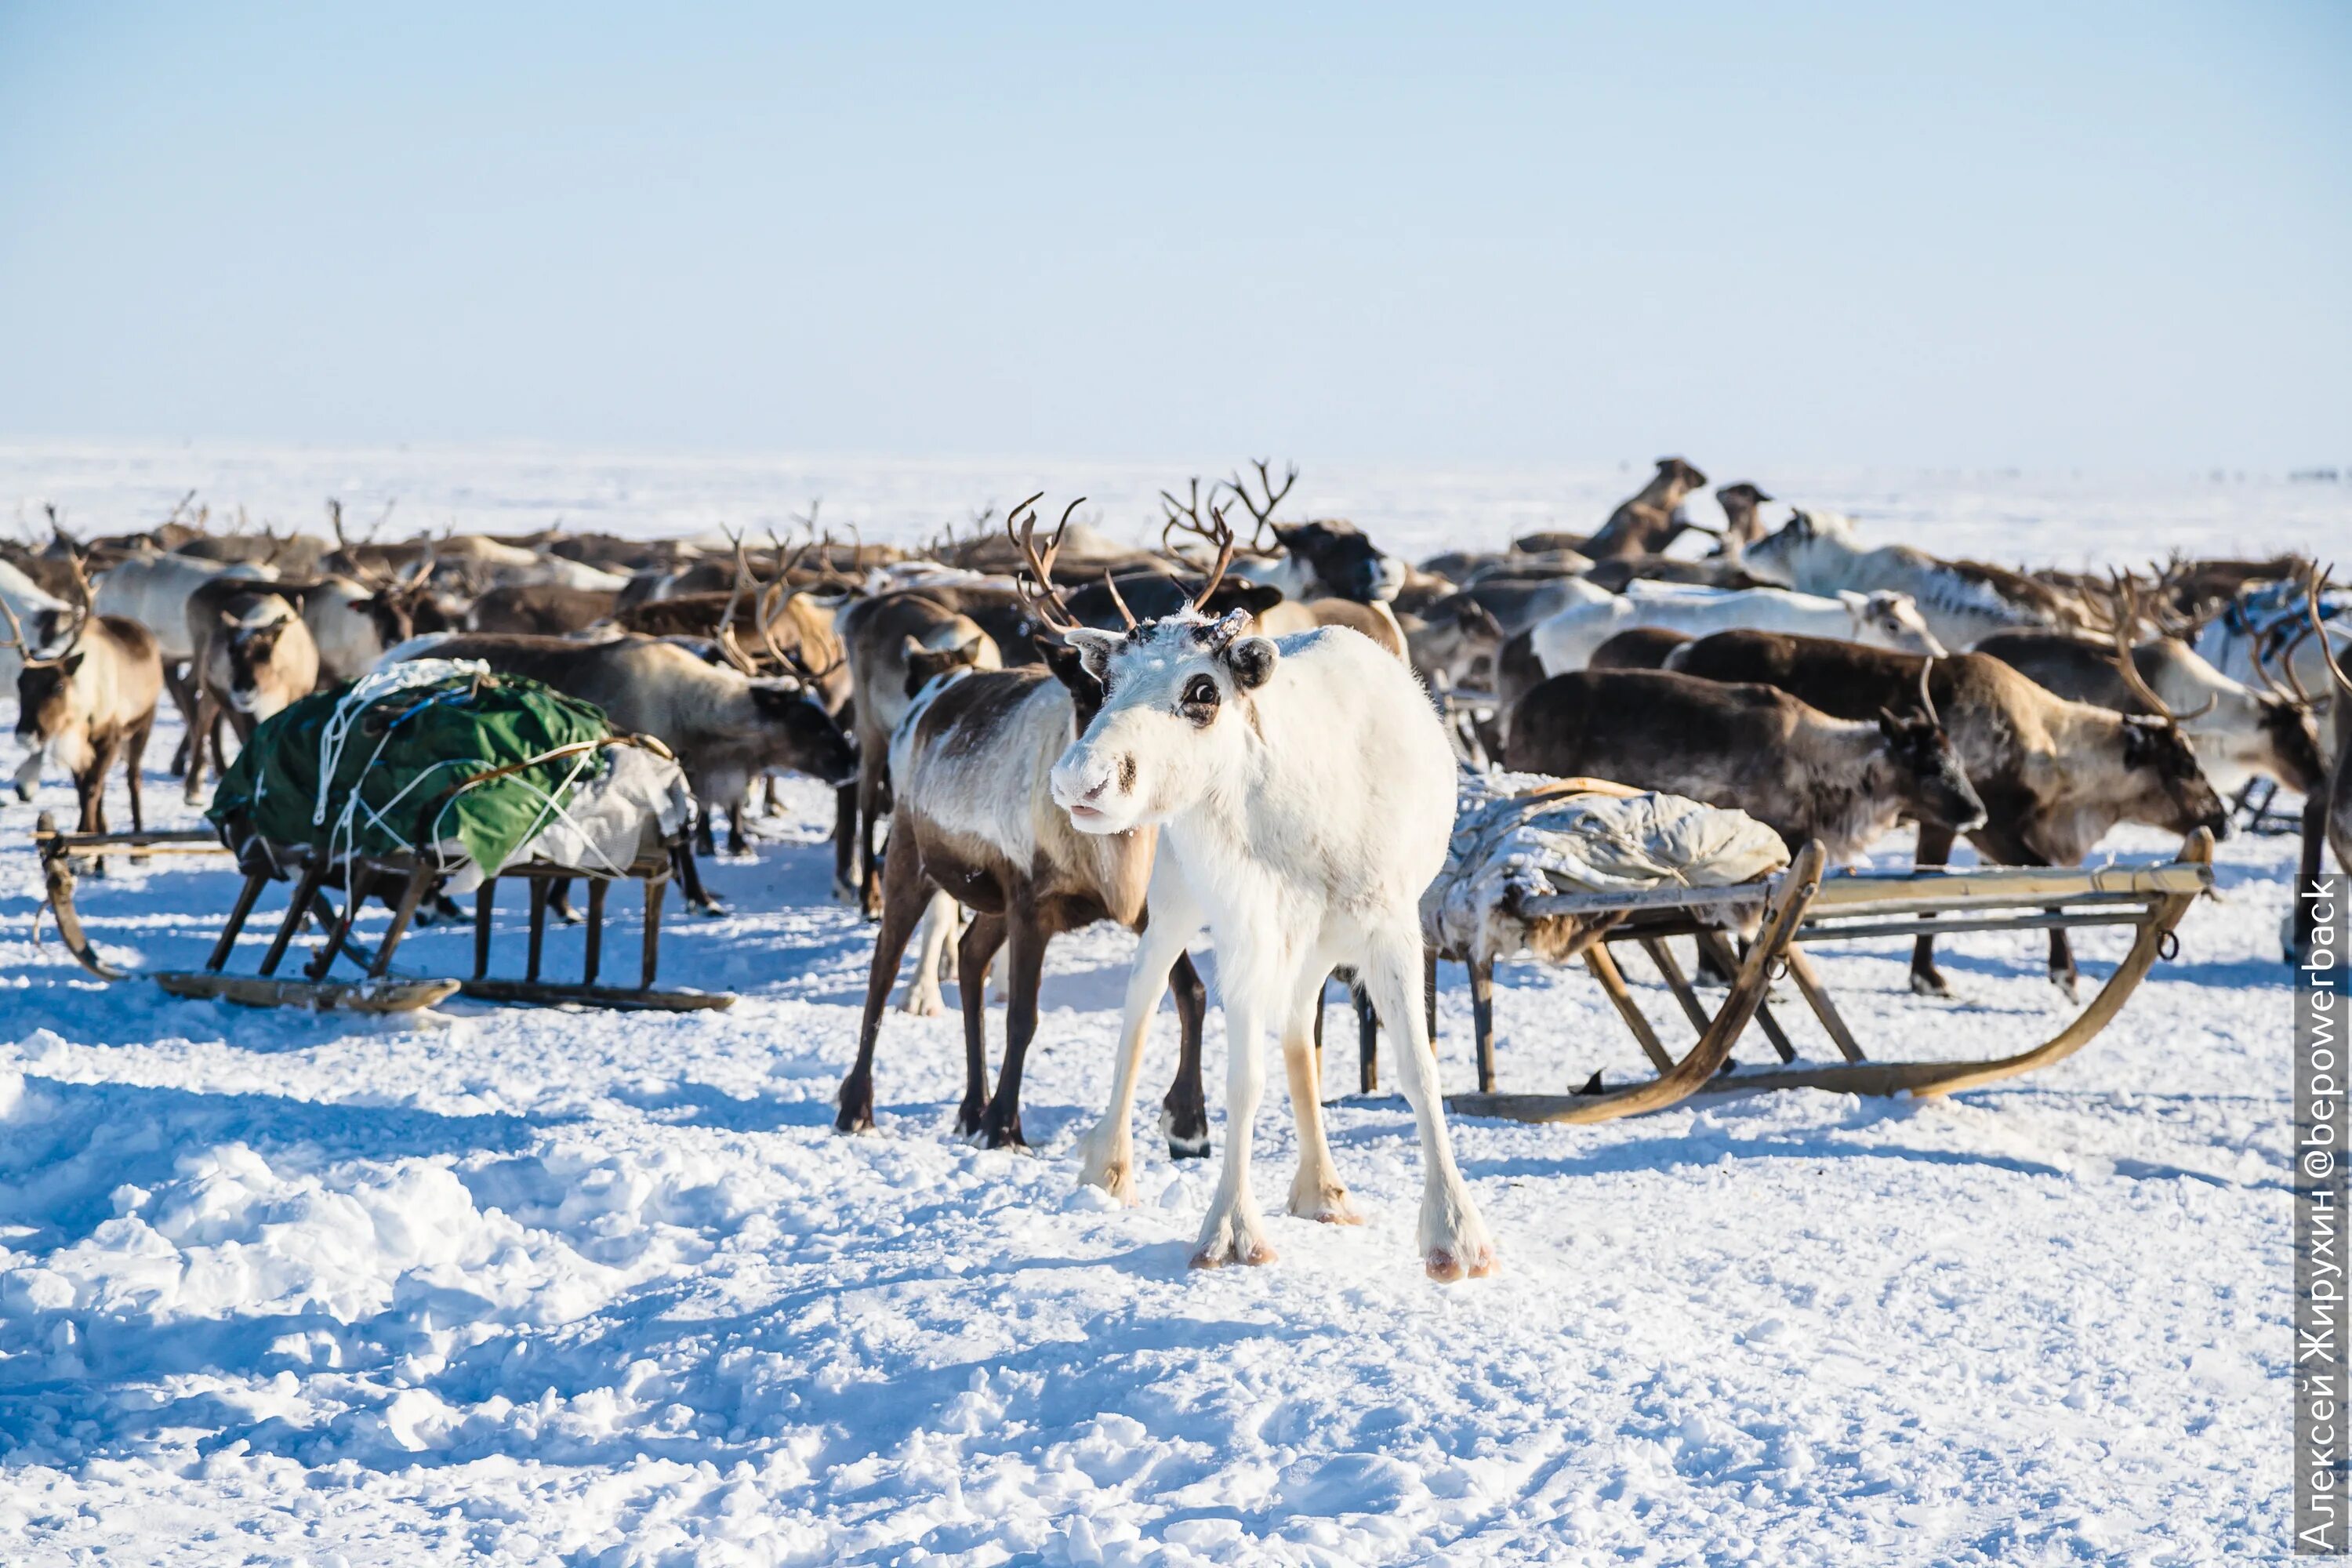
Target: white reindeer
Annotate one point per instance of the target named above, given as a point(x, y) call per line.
point(1304, 793)
point(1567, 641)
point(1962, 601)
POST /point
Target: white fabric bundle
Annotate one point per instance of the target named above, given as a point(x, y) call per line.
point(1510, 844)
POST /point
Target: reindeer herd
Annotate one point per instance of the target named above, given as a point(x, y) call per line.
point(1254, 737)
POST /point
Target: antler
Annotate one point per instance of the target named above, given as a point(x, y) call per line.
point(1038, 593)
point(1185, 517)
point(1183, 514)
point(2318, 581)
point(1927, 699)
point(1262, 515)
point(1117, 599)
point(15, 638)
point(771, 606)
point(2128, 603)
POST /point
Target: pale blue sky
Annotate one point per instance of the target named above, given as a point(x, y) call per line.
point(1991, 234)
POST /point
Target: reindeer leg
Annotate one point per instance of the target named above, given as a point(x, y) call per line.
point(177, 681)
point(902, 903)
point(845, 843)
point(202, 729)
point(559, 900)
point(1106, 1154)
point(869, 807)
point(2308, 868)
point(91, 786)
point(1935, 849)
point(2063, 972)
point(705, 842)
point(1453, 1238)
point(923, 999)
point(977, 948)
point(736, 843)
point(134, 759)
point(1316, 1191)
point(690, 881)
point(1025, 968)
point(1184, 1113)
point(1233, 1230)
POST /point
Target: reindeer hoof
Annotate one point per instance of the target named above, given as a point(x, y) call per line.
point(922, 1005)
point(1188, 1138)
point(1326, 1205)
point(1254, 1254)
point(1118, 1179)
point(1927, 983)
point(2069, 983)
point(1473, 1262)
point(856, 1109)
point(1233, 1238)
point(992, 1136)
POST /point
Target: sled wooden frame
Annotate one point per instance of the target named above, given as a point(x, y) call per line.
point(379, 990)
point(1799, 907)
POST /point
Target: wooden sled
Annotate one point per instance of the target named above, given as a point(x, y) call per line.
point(1801, 908)
point(379, 991)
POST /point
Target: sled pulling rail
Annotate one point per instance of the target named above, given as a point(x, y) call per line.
point(1801, 907)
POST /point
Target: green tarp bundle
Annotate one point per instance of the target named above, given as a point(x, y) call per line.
point(399, 754)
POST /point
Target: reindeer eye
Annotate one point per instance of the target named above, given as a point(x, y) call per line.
point(1200, 702)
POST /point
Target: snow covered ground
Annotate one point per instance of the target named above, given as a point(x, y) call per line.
point(535, 1286)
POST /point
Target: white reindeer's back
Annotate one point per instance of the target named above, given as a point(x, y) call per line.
point(1358, 789)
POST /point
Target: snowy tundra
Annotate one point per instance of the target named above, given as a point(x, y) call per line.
point(496, 1285)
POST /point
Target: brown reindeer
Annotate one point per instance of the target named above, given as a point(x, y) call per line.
point(1783, 762)
point(875, 634)
point(1647, 523)
point(540, 609)
point(1742, 527)
point(2054, 775)
point(88, 700)
point(974, 818)
point(254, 656)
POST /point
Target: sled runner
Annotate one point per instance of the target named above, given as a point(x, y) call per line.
point(1800, 909)
point(1572, 868)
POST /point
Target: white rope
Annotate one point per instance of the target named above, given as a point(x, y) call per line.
point(539, 820)
point(393, 678)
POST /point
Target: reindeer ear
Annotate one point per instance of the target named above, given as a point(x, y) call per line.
point(1252, 660)
point(1095, 648)
point(1068, 666)
point(72, 663)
